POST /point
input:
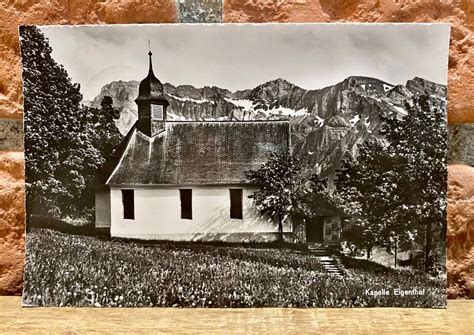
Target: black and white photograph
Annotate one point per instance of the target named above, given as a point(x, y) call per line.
point(235, 165)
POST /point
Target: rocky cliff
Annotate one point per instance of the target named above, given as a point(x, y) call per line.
point(326, 123)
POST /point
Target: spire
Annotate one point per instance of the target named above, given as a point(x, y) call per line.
point(150, 87)
point(151, 102)
point(150, 67)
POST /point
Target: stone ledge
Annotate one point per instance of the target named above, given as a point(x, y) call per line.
point(200, 11)
point(461, 143)
point(11, 134)
point(12, 214)
point(460, 234)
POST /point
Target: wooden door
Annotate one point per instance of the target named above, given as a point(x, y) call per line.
point(315, 230)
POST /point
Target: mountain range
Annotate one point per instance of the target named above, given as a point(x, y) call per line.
point(326, 123)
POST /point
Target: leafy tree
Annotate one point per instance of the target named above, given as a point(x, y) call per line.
point(279, 185)
point(358, 191)
point(420, 143)
point(317, 199)
point(104, 136)
point(397, 189)
point(64, 142)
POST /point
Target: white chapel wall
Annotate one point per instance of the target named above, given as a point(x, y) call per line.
point(158, 215)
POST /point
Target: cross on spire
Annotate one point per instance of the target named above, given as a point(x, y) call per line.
point(149, 55)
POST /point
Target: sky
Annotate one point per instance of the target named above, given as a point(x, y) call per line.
point(242, 56)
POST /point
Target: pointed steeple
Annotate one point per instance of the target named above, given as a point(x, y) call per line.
point(150, 87)
point(151, 102)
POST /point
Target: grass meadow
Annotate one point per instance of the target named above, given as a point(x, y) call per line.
point(76, 270)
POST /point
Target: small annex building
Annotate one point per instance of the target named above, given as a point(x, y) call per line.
point(186, 180)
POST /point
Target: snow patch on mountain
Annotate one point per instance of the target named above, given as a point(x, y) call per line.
point(198, 101)
point(319, 121)
point(174, 117)
point(264, 109)
point(367, 122)
point(301, 112)
point(355, 119)
point(387, 88)
point(244, 103)
point(399, 109)
point(278, 111)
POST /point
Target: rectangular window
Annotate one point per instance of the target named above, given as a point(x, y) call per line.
point(235, 203)
point(186, 197)
point(157, 112)
point(128, 203)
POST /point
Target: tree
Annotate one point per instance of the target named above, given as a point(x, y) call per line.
point(317, 199)
point(420, 142)
point(279, 185)
point(104, 136)
point(64, 141)
point(397, 187)
point(359, 194)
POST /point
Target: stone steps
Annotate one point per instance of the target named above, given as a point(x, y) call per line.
point(318, 249)
point(331, 266)
point(324, 256)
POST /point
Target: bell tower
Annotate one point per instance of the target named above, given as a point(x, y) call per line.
point(152, 103)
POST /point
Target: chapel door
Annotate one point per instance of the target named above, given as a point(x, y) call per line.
point(315, 230)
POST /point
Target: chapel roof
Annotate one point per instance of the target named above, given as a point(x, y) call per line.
point(196, 153)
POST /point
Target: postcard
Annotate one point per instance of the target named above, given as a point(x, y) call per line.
point(235, 165)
